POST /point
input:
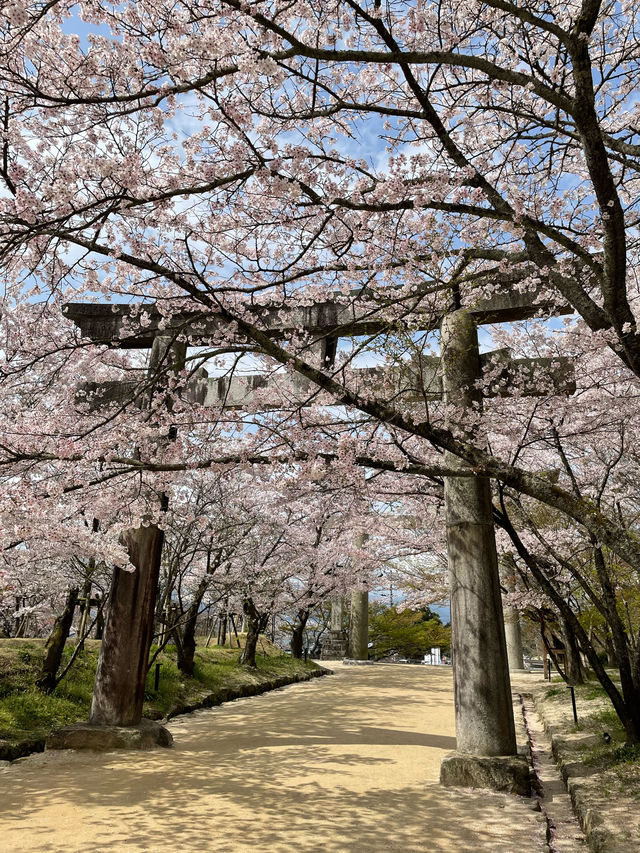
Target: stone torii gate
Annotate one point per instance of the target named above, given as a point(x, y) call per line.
point(485, 732)
point(486, 746)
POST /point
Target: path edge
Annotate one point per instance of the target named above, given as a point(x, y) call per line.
point(21, 750)
point(599, 838)
point(244, 691)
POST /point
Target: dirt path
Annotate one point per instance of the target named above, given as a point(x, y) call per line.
point(344, 764)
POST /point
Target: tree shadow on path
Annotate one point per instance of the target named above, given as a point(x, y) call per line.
point(348, 763)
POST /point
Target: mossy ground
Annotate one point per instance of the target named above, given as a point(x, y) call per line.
point(28, 715)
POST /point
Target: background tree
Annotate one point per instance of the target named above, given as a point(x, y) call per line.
point(410, 633)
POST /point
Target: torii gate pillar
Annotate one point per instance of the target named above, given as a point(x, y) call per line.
point(119, 688)
point(513, 636)
point(482, 691)
point(512, 631)
point(359, 617)
point(359, 625)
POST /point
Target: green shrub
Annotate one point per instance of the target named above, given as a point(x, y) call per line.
point(627, 753)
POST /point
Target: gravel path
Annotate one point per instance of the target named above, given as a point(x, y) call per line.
point(347, 763)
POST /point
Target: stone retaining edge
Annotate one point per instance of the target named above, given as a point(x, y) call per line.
point(599, 838)
point(243, 691)
point(14, 752)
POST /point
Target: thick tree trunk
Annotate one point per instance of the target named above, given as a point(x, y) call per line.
point(189, 643)
point(84, 611)
point(187, 661)
point(184, 636)
point(55, 644)
point(256, 623)
point(573, 666)
point(297, 633)
point(118, 694)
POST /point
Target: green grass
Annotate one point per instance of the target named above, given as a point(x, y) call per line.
point(617, 763)
point(31, 714)
point(627, 753)
point(27, 714)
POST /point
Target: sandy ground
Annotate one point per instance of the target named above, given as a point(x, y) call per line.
point(344, 763)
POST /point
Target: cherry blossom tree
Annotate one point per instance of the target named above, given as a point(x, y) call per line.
point(473, 191)
point(233, 160)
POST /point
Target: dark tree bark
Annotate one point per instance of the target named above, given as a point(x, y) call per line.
point(232, 620)
point(626, 701)
point(187, 645)
point(84, 611)
point(187, 662)
point(573, 667)
point(99, 620)
point(222, 627)
point(118, 694)
point(183, 633)
point(612, 660)
point(256, 623)
point(174, 632)
point(297, 633)
point(21, 622)
point(55, 644)
point(630, 688)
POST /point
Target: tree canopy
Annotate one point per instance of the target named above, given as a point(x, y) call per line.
point(409, 633)
point(304, 190)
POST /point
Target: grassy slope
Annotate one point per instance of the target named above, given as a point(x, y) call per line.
point(617, 765)
point(27, 715)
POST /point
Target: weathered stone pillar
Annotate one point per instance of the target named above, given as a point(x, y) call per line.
point(483, 705)
point(513, 636)
point(512, 632)
point(124, 654)
point(118, 693)
point(337, 613)
point(335, 646)
point(359, 625)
